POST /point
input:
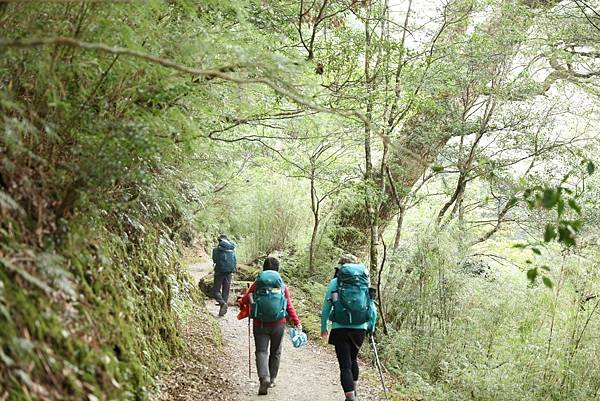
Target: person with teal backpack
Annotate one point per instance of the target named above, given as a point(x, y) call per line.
point(270, 306)
point(349, 306)
point(225, 264)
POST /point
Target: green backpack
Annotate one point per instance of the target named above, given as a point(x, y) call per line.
point(270, 304)
point(353, 303)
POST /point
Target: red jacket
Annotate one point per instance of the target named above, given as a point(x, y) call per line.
point(291, 312)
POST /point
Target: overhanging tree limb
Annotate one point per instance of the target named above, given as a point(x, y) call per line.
point(209, 73)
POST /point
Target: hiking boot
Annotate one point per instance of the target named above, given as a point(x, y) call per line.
point(223, 309)
point(263, 388)
point(272, 383)
point(352, 397)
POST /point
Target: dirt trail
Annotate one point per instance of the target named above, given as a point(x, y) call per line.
point(306, 374)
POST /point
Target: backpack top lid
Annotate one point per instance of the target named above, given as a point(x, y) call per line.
point(269, 279)
point(225, 245)
point(354, 266)
point(353, 272)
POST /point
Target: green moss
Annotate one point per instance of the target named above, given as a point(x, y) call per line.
point(110, 339)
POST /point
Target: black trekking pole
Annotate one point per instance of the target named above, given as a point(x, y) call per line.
point(249, 345)
point(249, 352)
point(378, 363)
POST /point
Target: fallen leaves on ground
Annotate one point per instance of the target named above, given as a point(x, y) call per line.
point(200, 373)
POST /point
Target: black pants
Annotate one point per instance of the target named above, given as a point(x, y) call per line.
point(221, 285)
point(347, 343)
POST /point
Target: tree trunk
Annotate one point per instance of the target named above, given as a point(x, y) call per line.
point(399, 222)
point(368, 177)
point(314, 205)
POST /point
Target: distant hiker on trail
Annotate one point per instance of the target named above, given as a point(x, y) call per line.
point(270, 306)
point(349, 306)
point(224, 261)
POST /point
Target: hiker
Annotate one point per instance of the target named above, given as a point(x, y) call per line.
point(270, 306)
point(224, 262)
point(350, 324)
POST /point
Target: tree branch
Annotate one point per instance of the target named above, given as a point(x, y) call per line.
point(208, 73)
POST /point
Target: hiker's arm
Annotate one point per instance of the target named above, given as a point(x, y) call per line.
point(372, 318)
point(214, 256)
point(245, 300)
point(327, 305)
point(234, 263)
point(290, 309)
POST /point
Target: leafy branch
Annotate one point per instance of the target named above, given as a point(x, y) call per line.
point(563, 230)
point(212, 73)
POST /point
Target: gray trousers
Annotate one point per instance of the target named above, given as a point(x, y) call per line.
point(221, 284)
point(268, 357)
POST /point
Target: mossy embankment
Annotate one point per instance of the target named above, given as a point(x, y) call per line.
point(100, 187)
point(95, 318)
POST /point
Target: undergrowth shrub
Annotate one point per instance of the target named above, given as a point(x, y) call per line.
point(270, 217)
point(456, 335)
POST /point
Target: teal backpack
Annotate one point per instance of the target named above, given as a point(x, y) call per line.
point(224, 257)
point(352, 303)
point(270, 304)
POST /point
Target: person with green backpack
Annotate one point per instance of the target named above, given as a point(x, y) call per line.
point(225, 264)
point(349, 306)
point(270, 306)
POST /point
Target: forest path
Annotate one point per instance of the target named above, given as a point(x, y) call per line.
point(306, 374)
